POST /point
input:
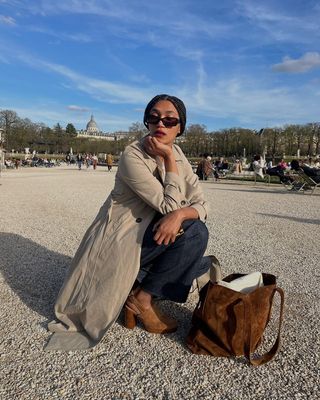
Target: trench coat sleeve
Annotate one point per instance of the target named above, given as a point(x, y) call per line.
point(165, 197)
point(196, 198)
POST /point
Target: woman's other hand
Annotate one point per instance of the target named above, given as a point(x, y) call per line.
point(167, 228)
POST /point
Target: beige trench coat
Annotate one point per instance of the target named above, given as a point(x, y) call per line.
point(107, 261)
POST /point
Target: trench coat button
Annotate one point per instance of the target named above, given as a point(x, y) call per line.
point(138, 220)
point(183, 203)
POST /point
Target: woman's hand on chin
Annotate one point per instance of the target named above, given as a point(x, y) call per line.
point(155, 148)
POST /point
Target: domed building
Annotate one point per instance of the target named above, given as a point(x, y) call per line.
point(93, 132)
point(92, 127)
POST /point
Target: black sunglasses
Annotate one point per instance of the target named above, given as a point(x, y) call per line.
point(168, 122)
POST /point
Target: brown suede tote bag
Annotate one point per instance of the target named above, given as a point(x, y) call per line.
point(229, 323)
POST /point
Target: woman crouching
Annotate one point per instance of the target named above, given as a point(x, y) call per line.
point(146, 243)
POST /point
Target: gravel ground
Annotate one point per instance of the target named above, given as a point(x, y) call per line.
point(43, 215)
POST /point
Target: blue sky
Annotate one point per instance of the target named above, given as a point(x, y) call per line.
point(235, 63)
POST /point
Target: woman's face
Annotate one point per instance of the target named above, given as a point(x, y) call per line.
point(165, 135)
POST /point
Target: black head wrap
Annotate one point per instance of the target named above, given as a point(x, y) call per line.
point(179, 105)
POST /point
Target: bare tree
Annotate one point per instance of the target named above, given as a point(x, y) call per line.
point(317, 137)
point(138, 130)
point(7, 119)
point(196, 140)
point(313, 138)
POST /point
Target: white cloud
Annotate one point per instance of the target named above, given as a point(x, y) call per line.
point(248, 103)
point(36, 113)
point(280, 21)
point(77, 108)
point(52, 113)
point(133, 15)
point(6, 20)
point(307, 62)
point(99, 7)
point(262, 12)
point(76, 37)
point(245, 100)
point(102, 90)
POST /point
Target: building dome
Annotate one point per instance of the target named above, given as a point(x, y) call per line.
point(92, 127)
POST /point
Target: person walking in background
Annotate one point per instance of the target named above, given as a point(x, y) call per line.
point(88, 160)
point(79, 160)
point(146, 243)
point(237, 167)
point(204, 168)
point(109, 161)
point(17, 163)
point(207, 168)
point(200, 167)
point(94, 161)
point(258, 165)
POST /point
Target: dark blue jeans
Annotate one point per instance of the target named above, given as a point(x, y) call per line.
point(167, 271)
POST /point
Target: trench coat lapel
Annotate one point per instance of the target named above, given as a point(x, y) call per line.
point(160, 166)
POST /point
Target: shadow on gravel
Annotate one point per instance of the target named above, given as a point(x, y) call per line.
point(183, 315)
point(33, 272)
point(303, 220)
point(253, 190)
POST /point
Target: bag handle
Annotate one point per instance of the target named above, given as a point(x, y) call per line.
point(273, 351)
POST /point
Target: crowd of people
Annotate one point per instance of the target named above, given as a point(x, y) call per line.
point(207, 167)
point(285, 171)
point(12, 163)
point(34, 161)
point(80, 160)
point(88, 160)
point(310, 169)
